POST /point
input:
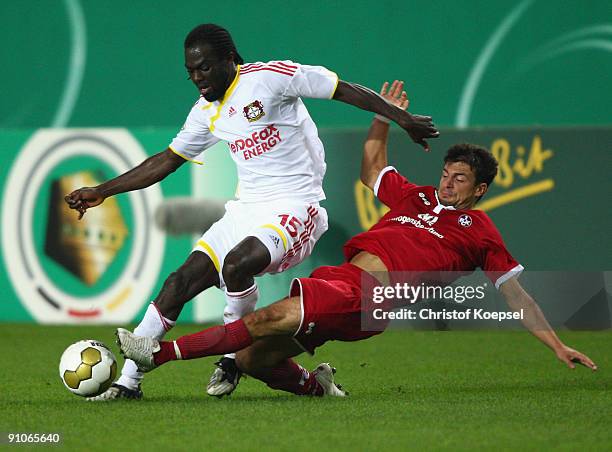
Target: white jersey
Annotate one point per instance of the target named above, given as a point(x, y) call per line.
point(270, 134)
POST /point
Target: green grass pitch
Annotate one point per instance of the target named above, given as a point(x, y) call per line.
point(409, 390)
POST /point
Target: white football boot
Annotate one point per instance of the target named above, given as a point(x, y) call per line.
point(117, 392)
point(324, 374)
point(139, 349)
point(224, 379)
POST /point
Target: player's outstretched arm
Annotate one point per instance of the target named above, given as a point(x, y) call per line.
point(534, 320)
point(375, 147)
point(149, 172)
point(418, 127)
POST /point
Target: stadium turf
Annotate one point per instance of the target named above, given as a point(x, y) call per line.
point(409, 390)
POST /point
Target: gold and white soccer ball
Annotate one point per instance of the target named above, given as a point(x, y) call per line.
point(88, 368)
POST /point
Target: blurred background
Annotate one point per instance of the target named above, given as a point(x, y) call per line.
point(120, 64)
point(90, 89)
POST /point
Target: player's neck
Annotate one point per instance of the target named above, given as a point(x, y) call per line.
point(465, 206)
point(231, 77)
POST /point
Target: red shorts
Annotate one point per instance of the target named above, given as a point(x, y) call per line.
point(331, 306)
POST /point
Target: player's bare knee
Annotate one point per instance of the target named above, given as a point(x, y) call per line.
point(261, 322)
point(249, 258)
point(256, 323)
point(235, 267)
point(230, 272)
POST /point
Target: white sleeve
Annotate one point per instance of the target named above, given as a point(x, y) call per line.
point(311, 81)
point(194, 137)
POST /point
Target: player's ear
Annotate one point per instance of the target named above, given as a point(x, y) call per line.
point(481, 189)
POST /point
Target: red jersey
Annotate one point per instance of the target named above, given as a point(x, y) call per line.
point(420, 234)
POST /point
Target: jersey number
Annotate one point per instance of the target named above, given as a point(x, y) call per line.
point(291, 224)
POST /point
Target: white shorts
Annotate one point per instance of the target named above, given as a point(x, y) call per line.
point(288, 228)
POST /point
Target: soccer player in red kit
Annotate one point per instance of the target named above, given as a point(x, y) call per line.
point(427, 229)
point(277, 218)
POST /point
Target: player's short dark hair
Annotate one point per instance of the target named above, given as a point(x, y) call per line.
point(482, 163)
point(217, 37)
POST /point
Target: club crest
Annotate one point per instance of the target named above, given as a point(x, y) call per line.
point(465, 221)
point(254, 111)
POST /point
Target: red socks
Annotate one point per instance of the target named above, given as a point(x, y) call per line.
point(217, 340)
point(291, 377)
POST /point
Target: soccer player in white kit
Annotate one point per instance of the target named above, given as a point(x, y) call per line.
point(256, 108)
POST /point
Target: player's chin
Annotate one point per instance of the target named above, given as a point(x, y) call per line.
point(211, 96)
point(447, 201)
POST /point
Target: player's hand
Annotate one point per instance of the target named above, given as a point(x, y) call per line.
point(418, 127)
point(572, 357)
point(395, 94)
point(84, 198)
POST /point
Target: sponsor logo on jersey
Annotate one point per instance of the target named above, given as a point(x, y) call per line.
point(424, 199)
point(258, 142)
point(254, 111)
point(232, 111)
point(403, 219)
point(465, 221)
point(428, 218)
point(275, 239)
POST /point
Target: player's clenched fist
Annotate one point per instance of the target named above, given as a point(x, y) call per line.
point(84, 198)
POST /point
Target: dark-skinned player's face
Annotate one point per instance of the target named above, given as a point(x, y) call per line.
point(211, 74)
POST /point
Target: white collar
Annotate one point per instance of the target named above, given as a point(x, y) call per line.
point(441, 206)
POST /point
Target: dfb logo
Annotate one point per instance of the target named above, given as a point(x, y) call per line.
point(97, 270)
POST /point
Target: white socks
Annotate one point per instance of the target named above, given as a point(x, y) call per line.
point(239, 304)
point(153, 324)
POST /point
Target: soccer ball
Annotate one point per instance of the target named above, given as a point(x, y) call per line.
point(88, 368)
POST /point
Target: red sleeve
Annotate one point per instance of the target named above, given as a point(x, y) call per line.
point(498, 264)
point(391, 186)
